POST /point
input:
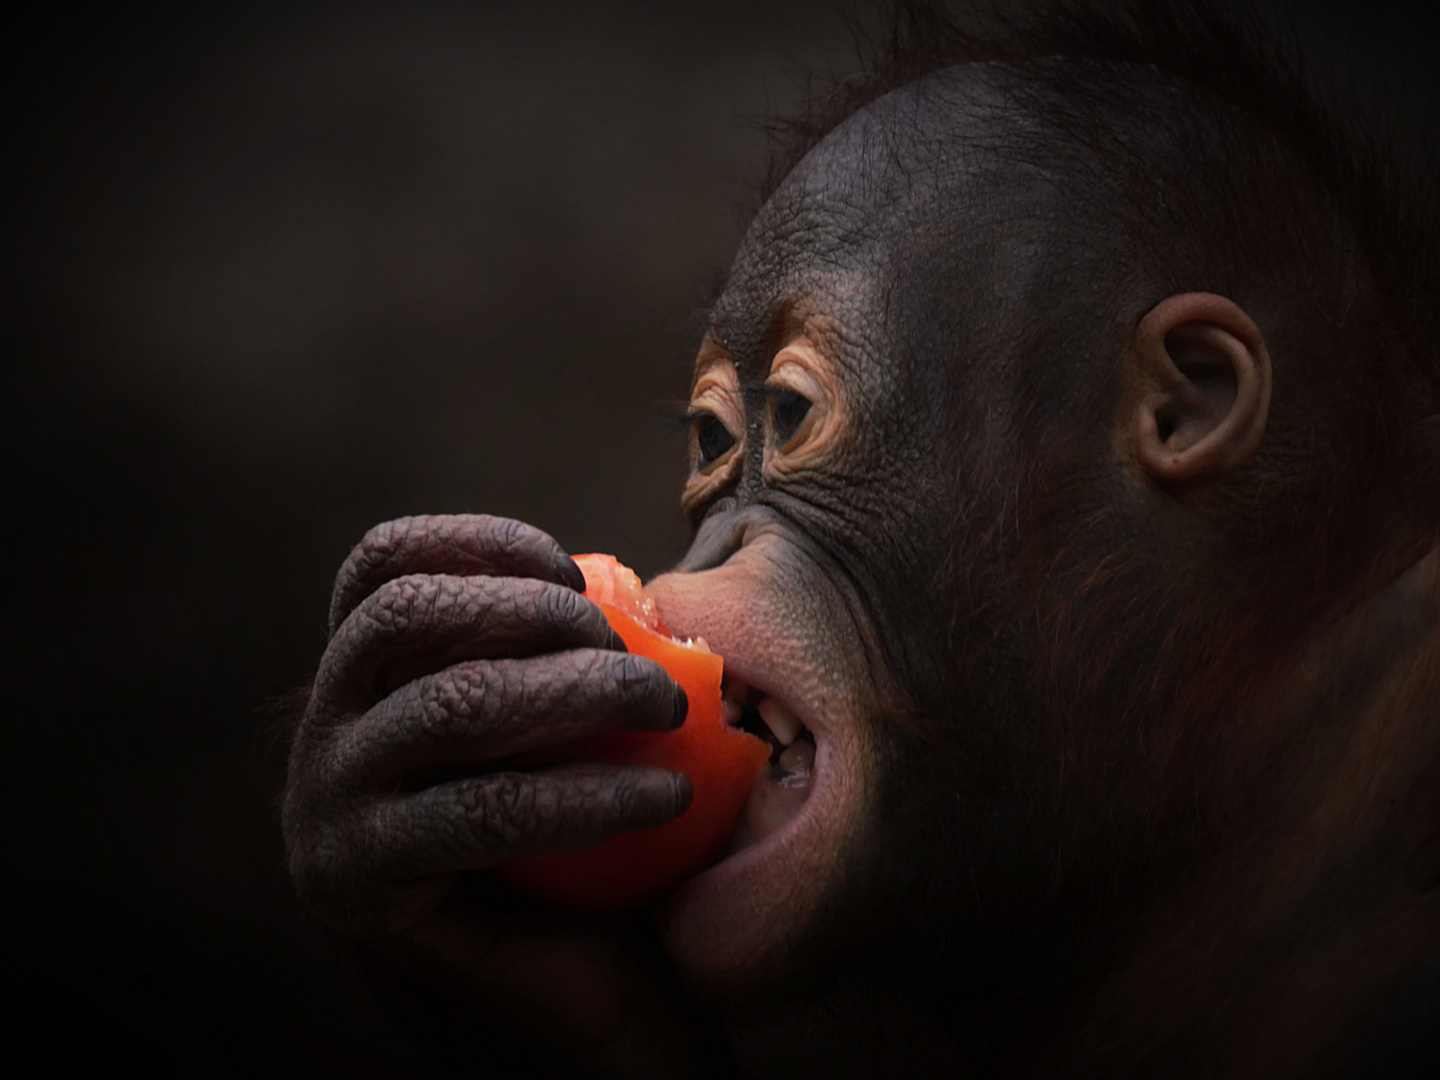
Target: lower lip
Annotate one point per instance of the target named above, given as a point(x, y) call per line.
point(786, 838)
point(776, 800)
point(734, 923)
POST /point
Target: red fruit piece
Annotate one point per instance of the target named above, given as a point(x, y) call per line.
point(722, 763)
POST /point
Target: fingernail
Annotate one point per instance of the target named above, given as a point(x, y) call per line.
point(567, 573)
point(684, 793)
point(682, 705)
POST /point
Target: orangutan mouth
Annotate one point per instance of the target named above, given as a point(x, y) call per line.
point(782, 788)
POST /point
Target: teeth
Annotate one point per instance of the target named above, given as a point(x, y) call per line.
point(732, 703)
point(798, 757)
point(781, 721)
point(731, 711)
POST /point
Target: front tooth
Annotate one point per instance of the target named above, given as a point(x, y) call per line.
point(780, 720)
point(731, 711)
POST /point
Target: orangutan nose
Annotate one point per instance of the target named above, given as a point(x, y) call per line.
point(719, 536)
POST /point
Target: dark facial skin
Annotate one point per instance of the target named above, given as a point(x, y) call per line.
point(863, 561)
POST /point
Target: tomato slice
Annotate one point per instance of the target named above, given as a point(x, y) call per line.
point(722, 763)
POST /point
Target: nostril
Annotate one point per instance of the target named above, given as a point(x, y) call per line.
point(718, 537)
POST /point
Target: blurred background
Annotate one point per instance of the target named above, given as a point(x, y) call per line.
point(274, 273)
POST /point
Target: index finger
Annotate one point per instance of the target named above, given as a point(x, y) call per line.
point(460, 544)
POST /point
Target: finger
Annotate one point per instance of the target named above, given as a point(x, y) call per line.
point(418, 624)
point(475, 714)
point(478, 822)
point(462, 545)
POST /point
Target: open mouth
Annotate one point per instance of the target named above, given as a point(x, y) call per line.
point(782, 788)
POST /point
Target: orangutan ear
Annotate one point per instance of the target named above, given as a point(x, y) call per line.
point(1197, 390)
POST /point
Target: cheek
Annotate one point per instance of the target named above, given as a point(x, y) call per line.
point(783, 630)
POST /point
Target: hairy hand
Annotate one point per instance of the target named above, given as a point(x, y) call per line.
point(456, 644)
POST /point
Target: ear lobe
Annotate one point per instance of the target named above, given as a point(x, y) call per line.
point(1197, 390)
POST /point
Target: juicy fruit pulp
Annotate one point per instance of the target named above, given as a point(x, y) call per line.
point(722, 763)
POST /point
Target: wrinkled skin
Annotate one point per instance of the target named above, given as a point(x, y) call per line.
point(925, 899)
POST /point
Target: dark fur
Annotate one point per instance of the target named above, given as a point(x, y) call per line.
point(1198, 157)
point(1128, 745)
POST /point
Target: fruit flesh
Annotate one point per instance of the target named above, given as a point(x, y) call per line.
point(722, 763)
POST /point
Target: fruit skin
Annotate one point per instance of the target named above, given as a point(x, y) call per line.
point(722, 763)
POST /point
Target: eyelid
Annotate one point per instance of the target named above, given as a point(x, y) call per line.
point(791, 375)
point(729, 409)
point(717, 393)
point(720, 396)
point(785, 443)
point(697, 465)
point(803, 369)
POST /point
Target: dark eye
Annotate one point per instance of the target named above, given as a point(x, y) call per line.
point(712, 438)
point(788, 411)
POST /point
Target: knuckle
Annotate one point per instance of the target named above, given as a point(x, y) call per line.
point(627, 674)
point(627, 795)
point(616, 796)
point(379, 544)
point(382, 540)
point(366, 562)
point(510, 535)
point(563, 606)
point(447, 703)
point(622, 798)
point(406, 601)
point(637, 678)
point(520, 544)
point(503, 812)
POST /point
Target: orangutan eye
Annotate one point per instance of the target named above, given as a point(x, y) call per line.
point(788, 409)
point(712, 438)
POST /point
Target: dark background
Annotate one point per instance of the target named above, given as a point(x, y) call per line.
point(272, 274)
